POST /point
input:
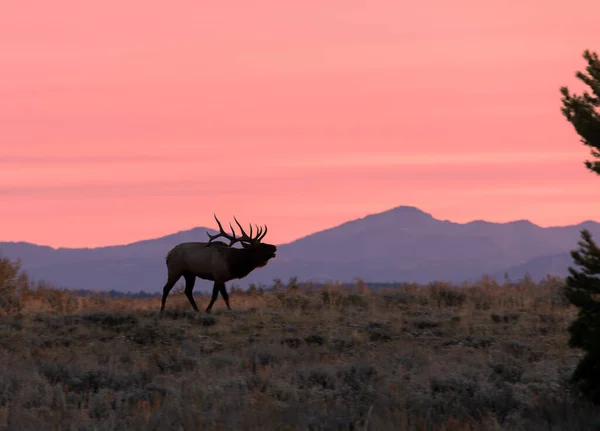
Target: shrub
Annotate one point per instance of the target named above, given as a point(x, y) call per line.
point(13, 284)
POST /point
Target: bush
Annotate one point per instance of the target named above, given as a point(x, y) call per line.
point(13, 284)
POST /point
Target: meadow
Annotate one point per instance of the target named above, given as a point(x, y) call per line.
point(483, 356)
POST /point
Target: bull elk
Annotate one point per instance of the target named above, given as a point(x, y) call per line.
point(216, 261)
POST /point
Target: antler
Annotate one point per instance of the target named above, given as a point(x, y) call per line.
point(233, 239)
point(248, 238)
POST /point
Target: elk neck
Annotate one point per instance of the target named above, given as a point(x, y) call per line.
point(241, 261)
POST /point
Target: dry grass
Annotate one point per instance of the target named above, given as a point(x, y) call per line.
point(482, 357)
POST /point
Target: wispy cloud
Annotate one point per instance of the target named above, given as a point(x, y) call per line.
point(135, 190)
point(57, 160)
point(390, 159)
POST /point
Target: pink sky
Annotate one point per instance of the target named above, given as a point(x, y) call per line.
point(122, 121)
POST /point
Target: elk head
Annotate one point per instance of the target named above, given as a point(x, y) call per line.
point(260, 252)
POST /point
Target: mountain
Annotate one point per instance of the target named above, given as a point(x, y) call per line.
point(401, 244)
point(539, 267)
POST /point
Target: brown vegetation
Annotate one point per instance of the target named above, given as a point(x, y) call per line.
point(480, 357)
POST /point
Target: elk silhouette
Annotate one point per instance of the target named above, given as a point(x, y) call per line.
point(216, 261)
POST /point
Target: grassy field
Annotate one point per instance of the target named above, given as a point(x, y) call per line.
point(477, 357)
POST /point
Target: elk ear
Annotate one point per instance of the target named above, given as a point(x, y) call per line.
point(245, 245)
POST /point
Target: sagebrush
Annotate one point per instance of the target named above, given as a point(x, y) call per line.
point(440, 357)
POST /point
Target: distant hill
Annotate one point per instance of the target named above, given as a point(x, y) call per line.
point(539, 267)
point(402, 244)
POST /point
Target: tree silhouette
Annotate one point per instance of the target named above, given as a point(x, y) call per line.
point(583, 286)
point(581, 290)
point(581, 110)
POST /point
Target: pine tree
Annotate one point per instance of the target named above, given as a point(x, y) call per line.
point(581, 290)
point(581, 110)
point(583, 286)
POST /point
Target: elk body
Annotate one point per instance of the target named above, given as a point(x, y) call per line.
point(216, 261)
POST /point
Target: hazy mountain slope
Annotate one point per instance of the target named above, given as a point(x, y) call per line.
point(539, 267)
point(526, 240)
point(37, 255)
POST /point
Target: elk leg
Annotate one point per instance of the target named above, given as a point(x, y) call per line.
point(190, 279)
point(170, 283)
point(214, 296)
point(223, 291)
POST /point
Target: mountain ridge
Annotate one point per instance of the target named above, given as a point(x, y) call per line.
point(403, 243)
